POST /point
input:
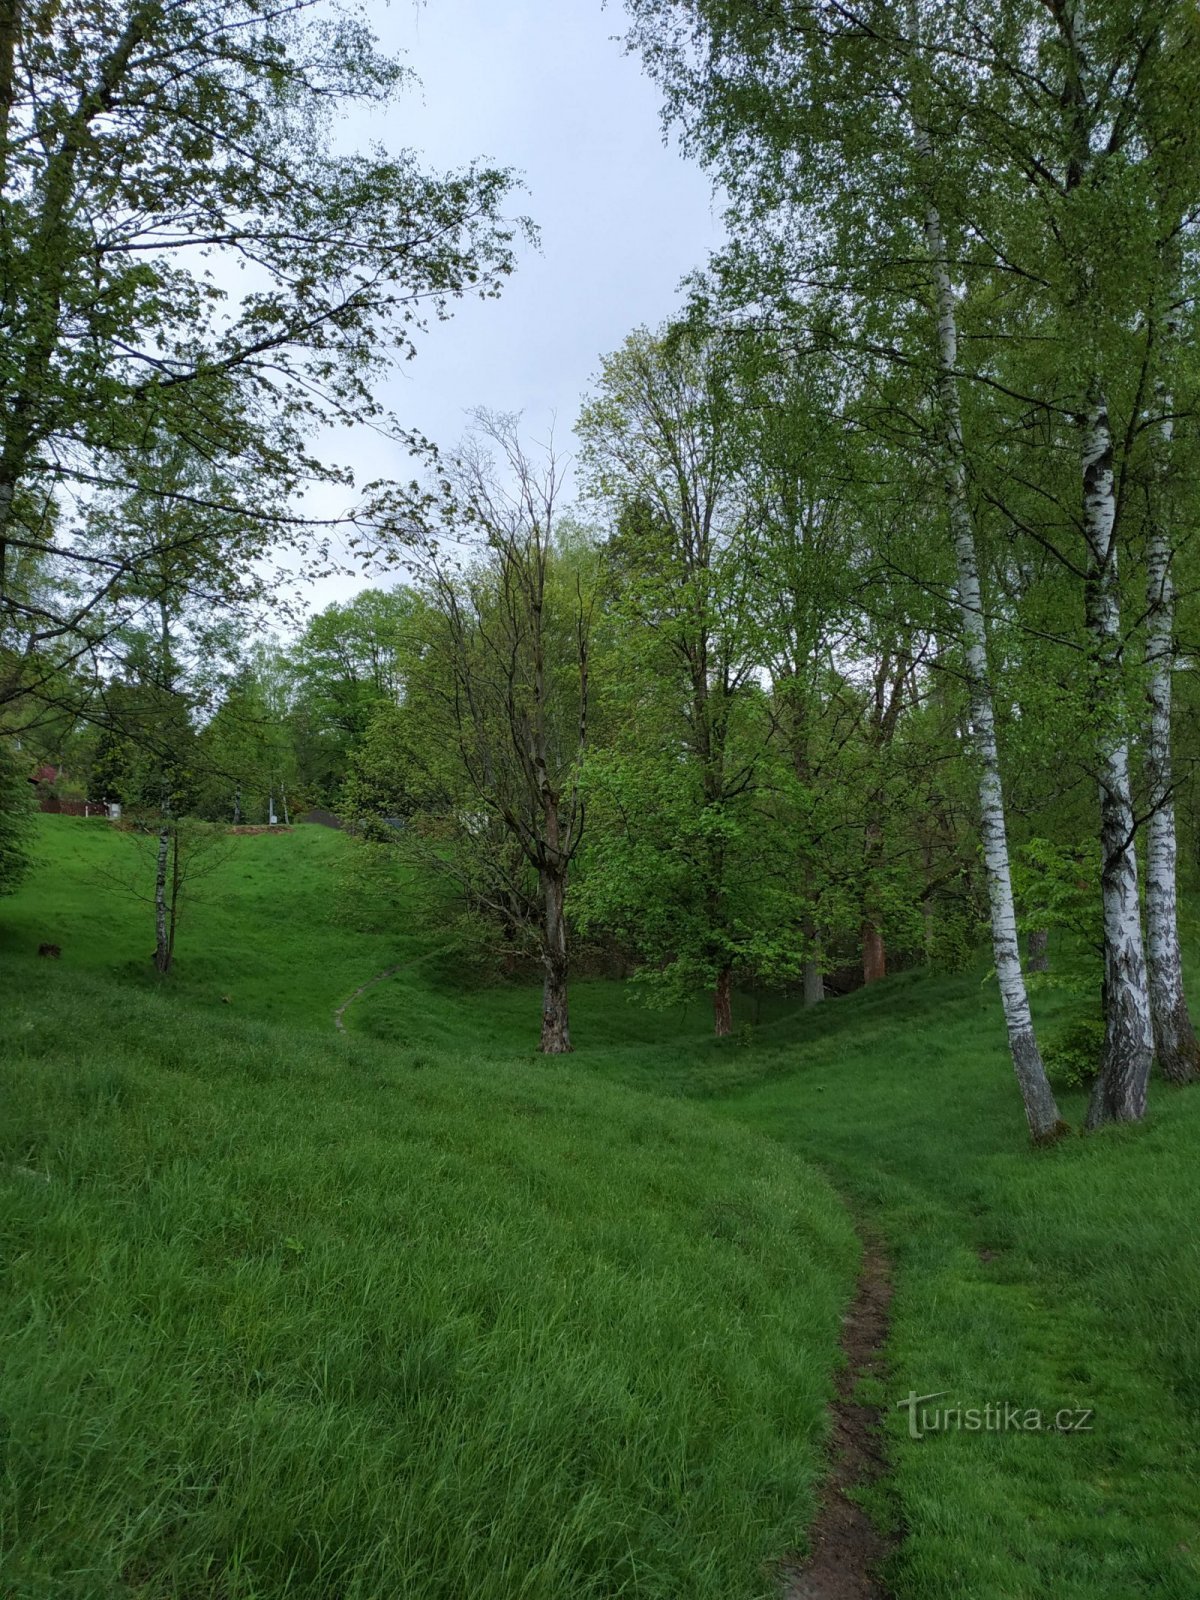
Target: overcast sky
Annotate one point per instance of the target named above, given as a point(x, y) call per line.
point(541, 86)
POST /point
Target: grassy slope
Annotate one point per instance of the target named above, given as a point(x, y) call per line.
point(1069, 1279)
point(1062, 1280)
point(288, 1313)
point(257, 931)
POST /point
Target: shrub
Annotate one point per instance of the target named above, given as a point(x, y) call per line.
point(16, 820)
point(1072, 1052)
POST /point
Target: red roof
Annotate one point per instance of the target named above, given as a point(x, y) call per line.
point(45, 775)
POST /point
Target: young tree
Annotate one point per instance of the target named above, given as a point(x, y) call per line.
point(507, 670)
point(168, 855)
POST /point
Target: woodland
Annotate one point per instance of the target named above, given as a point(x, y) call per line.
point(849, 645)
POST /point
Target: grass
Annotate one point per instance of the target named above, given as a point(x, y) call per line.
point(293, 1314)
point(414, 1312)
point(1063, 1280)
point(258, 931)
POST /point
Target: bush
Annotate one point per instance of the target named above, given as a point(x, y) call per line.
point(1072, 1052)
point(16, 820)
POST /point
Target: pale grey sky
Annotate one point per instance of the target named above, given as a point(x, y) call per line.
point(544, 87)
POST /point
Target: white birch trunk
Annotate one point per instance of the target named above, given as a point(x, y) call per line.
point(162, 957)
point(1041, 1110)
point(1174, 1037)
point(1120, 1091)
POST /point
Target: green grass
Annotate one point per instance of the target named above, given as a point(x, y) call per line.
point(1068, 1279)
point(414, 1312)
point(293, 1314)
point(260, 932)
point(273, 933)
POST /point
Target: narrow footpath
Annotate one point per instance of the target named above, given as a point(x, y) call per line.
point(381, 977)
point(847, 1548)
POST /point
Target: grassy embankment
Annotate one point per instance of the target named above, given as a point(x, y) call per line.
point(287, 1313)
point(415, 1312)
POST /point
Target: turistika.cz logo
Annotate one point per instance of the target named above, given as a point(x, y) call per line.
point(997, 1416)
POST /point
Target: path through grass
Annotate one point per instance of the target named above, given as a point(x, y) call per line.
point(412, 1311)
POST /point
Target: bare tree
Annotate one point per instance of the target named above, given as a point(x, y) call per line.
point(511, 668)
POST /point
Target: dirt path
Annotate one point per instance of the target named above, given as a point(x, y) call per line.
point(362, 989)
point(847, 1548)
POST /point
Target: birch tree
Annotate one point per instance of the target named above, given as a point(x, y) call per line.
point(1174, 1036)
point(806, 114)
point(1041, 1110)
point(1080, 150)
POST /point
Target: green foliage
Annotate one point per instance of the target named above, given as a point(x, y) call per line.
point(16, 819)
point(1055, 888)
point(1072, 1052)
point(350, 662)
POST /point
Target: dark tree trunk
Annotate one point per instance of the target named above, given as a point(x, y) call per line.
point(556, 1027)
point(813, 980)
point(814, 969)
point(723, 1003)
point(173, 908)
point(1175, 1043)
point(874, 953)
point(1036, 959)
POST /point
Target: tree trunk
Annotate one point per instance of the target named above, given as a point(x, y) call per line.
point(723, 1003)
point(1174, 1037)
point(173, 907)
point(162, 940)
point(237, 806)
point(556, 1028)
point(814, 973)
point(1036, 959)
point(1120, 1091)
point(1041, 1109)
point(874, 953)
point(928, 914)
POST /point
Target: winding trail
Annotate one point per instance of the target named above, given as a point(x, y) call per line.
point(847, 1547)
point(381, 977)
